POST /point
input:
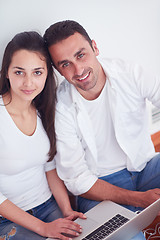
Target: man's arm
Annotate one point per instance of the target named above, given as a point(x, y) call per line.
point(103, 190)
point(73, 169)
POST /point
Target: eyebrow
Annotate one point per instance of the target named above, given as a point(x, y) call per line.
point(20, 68)
point(62, 62)
point(76, 54)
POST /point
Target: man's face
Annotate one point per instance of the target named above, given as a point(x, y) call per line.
point(76, 60)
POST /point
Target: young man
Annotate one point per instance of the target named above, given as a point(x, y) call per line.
point(104, 149)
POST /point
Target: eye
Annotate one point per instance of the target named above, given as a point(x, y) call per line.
point(19, 73)
point(38, 73)
point(65, 64)
point(80, 55)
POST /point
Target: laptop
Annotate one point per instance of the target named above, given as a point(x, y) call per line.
point(110, 221)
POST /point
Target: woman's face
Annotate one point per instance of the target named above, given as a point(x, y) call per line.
point(27, 74)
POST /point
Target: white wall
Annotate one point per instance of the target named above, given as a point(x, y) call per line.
point(127, 29)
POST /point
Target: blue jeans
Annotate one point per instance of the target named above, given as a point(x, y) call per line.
point(47, 212)
point(148, 178)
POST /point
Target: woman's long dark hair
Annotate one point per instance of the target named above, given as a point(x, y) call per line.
point(45, 101)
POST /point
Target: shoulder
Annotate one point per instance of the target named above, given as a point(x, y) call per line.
point(1, 104)
point(118, 68)
point(116, 65)
point(1, 100)
point(65, 93)
point(123, 76)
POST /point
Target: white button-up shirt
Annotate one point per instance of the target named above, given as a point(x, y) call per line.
point(76, 158)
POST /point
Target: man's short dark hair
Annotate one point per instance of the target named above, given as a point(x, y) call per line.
point(62, 30)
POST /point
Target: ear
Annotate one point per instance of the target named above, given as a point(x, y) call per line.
point(95, 48)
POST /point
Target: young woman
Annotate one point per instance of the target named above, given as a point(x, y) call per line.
point(32, 197)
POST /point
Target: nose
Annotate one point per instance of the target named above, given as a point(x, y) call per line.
point(28, 81)
point(78, 69)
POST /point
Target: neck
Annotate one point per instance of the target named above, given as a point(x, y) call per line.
point(17, 107)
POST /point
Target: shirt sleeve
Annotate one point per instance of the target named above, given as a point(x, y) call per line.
point(148, 84)
point(71, 163)
point(50, 165)
point(2, 198)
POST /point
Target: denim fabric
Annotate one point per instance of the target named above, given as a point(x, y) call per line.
point(47, 212)
point(148, 178)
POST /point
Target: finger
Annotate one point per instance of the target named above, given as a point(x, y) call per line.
point(68, 223)
point(81, 215)
point(70, 232)
point(63, 237)
point(77, 215)
point(74, 227)
point(71, 217)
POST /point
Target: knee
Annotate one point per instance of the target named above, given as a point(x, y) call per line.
point(2, 237)
point(11, 233)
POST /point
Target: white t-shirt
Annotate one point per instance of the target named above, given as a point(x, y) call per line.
point(111, 158)
point(23, 162)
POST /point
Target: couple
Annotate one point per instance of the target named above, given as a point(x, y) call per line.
point(101, 149)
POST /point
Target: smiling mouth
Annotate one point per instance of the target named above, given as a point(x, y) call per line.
point(28, 91)
point(85, 77)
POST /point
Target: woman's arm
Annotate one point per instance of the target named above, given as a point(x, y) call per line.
point(53, 229)
point(60, 193)
point(17, 215)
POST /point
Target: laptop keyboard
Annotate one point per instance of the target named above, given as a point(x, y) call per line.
point(107, 228)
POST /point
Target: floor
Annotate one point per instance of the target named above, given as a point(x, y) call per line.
point(153, 230)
